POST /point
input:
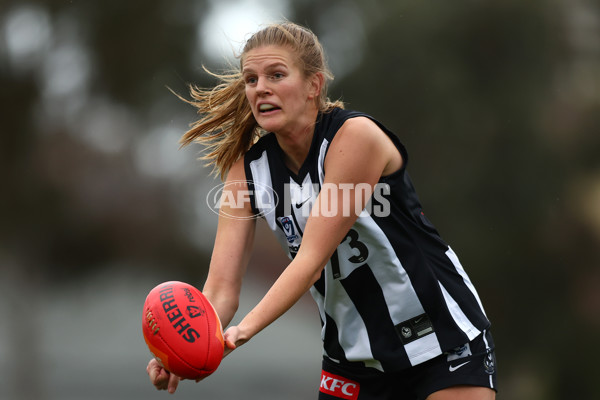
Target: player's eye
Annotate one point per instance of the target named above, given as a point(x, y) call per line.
point(250, 80)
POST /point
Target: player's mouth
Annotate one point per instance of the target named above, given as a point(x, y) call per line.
point(267, 108)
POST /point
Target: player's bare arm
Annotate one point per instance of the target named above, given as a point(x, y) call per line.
point(360, 153)
point(229, 259)
point(232, 248)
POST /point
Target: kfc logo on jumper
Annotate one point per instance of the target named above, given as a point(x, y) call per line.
point(339, 386)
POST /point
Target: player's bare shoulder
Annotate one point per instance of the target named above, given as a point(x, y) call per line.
point(363, 136)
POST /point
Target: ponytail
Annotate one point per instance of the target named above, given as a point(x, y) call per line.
point(226, 127)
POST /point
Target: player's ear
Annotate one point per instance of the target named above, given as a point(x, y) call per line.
point(316, 81)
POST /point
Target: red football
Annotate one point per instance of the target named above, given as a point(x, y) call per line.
point(182, 330)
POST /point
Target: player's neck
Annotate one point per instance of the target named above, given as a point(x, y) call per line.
point(296, 145)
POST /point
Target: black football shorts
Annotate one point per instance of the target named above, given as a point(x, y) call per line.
point(473, 363)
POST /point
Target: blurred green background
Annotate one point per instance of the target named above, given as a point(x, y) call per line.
point(498, 103)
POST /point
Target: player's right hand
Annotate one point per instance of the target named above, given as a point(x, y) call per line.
point(161, 378)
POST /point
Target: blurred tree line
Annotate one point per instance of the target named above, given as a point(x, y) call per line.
point(68, 206)
point(498, 103)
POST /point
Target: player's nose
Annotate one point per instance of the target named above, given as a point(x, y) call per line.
point(262, 86)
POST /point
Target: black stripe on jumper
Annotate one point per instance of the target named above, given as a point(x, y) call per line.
point(366, 294)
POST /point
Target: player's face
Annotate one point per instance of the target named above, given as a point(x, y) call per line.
point(279, 94)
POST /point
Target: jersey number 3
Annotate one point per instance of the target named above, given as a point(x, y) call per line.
point(355, 244)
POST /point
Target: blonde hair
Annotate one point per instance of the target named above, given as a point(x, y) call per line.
point(227, 127)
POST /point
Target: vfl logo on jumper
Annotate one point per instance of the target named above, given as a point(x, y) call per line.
point(288, 229)
point(338, 386)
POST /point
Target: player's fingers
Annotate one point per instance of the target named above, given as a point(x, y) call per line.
point(159, 377)
point(231, 337)
point(172, 383)
point(162, 381)
point(229, 347)
point(151, 365)
point(153, 370)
